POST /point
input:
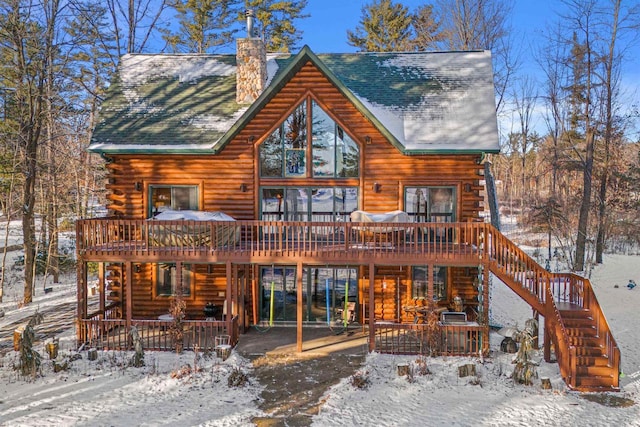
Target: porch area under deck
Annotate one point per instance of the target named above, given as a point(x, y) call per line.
point(267, 242)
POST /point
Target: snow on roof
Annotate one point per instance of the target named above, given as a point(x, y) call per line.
point(428, 101)
point(459, 113)
point(139, 68)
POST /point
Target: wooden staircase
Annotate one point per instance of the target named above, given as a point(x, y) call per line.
point(593, 368)
point(586, 352)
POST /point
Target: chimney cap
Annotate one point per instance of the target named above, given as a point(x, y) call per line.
point(249, 14)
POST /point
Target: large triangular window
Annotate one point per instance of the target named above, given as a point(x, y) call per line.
point(309, 133)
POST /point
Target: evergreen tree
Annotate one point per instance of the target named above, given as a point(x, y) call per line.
point(576, 90)
point(275, 22)
point(428, 34)
point(204, 25)
point(384, 27)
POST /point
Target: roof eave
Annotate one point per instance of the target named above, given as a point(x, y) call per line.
point(450, 151)
point(151, 150)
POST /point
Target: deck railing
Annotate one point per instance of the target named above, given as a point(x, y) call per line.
point(446, 339)
point(118, 237)
point(544, 291)
point(112, 334)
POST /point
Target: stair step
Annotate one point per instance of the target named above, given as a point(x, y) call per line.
point(605, 381)
point(583, 360)
point(585, 341)
point(594, 371)
point(582, 332)
point(569, 314)
point(578, 322)
point(590, 351)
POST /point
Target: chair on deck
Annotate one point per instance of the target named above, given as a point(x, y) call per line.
point(223, 346)
point(351, 312)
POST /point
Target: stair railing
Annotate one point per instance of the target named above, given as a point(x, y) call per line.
point(543, 290)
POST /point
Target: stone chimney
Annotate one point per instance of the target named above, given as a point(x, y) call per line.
point(251, 62)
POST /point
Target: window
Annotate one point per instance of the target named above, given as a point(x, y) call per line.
point(285, 152)
point(172, 197)
point(308, 203)
point(335, 154)
point(420, 287)
point(167, 280)
point(430, 204)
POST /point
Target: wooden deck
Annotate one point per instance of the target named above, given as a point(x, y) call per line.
point(264, 241)
point(452, 244)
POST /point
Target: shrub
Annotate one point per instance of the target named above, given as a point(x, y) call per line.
point(237, 378)
point(360, 380)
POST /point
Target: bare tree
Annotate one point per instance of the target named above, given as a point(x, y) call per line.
point(614, 20)
point(580, 19)
point(481, 24)
point(524, 99)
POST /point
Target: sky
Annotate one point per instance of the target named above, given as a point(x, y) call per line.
point(325, 31)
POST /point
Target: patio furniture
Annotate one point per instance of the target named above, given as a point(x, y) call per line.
point(223, 346)
point(377, 235)
point(193, 234)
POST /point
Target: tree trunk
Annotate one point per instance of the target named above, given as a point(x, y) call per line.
point(28, 222)
point(583, 220)
point(602, 213)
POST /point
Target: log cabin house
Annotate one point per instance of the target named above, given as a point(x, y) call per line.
point(281, 189)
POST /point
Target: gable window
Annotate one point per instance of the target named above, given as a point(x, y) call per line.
point(335, 154)
point(172, 197)
point(167, 283)
point(309, 132)
point(420, 287)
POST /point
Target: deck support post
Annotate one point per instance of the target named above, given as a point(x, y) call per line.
point(255, 292)
point(299, 307)
point(547, 341)
point(430, 269)
point(81, 271)
point(485, 306)
point(101, 288)
point(229, 300)
point(128, 294)
point(372, 307)
point(549, 320)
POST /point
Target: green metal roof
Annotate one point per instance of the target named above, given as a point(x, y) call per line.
point(426, 102)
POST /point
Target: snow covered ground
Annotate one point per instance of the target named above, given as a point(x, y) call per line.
point(107, 392)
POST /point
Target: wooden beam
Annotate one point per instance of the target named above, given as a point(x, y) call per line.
point(299, 307)
point(485, 305)
point(372, 307)
point(101, 287)
point(256, 292)
point(229, 299)
point(129, 294)
point(81, 282)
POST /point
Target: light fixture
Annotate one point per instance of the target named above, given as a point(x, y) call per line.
point(137, 268)
point(138, 186)
point(367, 140)
point(251, 139)
point(467, 187)
point(243, 188)
point(376, 187)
